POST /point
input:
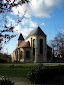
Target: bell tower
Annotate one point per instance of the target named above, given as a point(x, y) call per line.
point(20, 39)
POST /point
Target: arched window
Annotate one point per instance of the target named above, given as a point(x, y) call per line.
point(33, 43)
point(27, 54)
point(33, 46)
point(21, 55)
point(41, 46)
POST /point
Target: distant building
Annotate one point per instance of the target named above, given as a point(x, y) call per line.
point(49, 53)
point(33, 48)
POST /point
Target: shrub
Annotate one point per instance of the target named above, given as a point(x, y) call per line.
point(2, 61)
point(43, 74)
point(5, 81)
point(35, 74)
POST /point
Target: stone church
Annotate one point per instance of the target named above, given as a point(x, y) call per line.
point(32, 49)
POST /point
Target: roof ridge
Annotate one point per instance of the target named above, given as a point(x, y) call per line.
point(36, 31)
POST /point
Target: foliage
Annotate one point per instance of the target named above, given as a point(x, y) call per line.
point(4, 57)
point(2, 61)
point(7, 32)
point(8, 4)
point(5, 81)
point(41, 74)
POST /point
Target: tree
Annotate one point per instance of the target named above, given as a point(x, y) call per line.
point(62, 50)
point(6, 32)
point(53, 45)
point(57, 43)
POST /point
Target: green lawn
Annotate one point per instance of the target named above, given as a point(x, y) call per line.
point(6, 70)
point(14, 72)
point(29, 64)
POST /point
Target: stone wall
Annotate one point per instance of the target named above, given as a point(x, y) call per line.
point(22, 59)
point(38, 57)
point(30, 56)
point(37, 49)
point(13, 56)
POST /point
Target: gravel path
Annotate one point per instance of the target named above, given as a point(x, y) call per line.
point(19, 81)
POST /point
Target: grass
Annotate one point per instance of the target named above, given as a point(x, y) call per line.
point(6, 70)
point(52, 64)
point(14, 72)
point(29, 64)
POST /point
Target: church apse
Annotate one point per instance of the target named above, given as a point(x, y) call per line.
point(32, 48)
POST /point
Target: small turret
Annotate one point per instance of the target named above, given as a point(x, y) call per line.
point(20, 39)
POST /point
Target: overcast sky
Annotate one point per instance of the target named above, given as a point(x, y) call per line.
point(48, 14)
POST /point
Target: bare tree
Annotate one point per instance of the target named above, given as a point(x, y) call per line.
point(62, 50)
point(6, 32)
point(57, 42)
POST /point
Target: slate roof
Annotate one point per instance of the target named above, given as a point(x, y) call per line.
point(24, 44)
point(36, 31)
point(21, 37)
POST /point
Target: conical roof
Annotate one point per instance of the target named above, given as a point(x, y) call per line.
point(21, 37)
point(36, 31)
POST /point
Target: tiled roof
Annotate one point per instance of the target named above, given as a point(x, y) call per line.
point(24, 44)
point(36, 31)
point(21, 37)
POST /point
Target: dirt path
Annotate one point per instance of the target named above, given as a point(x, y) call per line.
point(25, 81)
point(20, 81)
